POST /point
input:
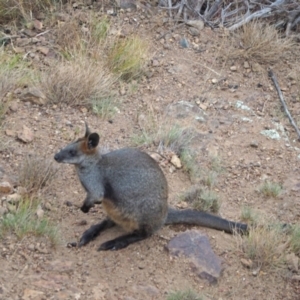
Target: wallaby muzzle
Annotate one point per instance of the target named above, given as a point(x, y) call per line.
point(58, 157)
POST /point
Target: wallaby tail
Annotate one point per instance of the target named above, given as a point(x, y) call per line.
point(194, 217)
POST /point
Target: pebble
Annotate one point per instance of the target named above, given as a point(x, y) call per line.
point(5, 187)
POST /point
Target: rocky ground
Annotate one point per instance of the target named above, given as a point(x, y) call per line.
point(235, 112)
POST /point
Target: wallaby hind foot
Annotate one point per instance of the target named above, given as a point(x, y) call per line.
point(124, 240)
point(94, 231)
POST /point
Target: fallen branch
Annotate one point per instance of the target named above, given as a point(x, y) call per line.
point(273, 77)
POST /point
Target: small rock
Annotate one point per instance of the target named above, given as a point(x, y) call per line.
point(26, 135)
point(5, 187)
point(14, 198)
point(21, 190)
point(184, 43)
point(233, 68)
point(39, 212)
point(256, 67)
point(11, 208)
point(48, 206)
point(19, 50)
point(175, 161)
point(3, 210)
point(31, 247)
point(83, 110)
point(246, 65)
point(214, 81)
point(10, 132)
point(293, 262)
point(182, 205)
point(155, 63)
point(247, 262)
point(199, 24)
point(37, 24)
point(34, 95)
point(13, 106)
point(29, 294)
point(194, 31)
point(43, 50)
point(156, 157)
point(254, 144)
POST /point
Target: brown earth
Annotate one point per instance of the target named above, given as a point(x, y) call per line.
point(31, 269)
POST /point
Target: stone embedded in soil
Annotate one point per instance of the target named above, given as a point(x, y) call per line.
point(5, 187)
point(14, 198)
point(34, 96)
point(293, 262)
point(175, 161)
point(29, 294)
point(26, 135)
point(195, 246)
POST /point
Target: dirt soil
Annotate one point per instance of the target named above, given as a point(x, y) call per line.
point(179, 86)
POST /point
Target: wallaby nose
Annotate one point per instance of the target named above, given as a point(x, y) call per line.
point(56, 157)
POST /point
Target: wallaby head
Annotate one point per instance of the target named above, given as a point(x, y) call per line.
point(76, 152)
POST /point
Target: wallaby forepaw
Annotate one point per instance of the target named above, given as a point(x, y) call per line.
point(87, 236)
point(113, 245)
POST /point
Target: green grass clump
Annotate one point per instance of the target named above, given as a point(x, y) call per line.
point(249, 216)
point(104, 107)
point(184, 295)
point(270, 189)
point(203, 200)
point(24, 221)
point(128, 57)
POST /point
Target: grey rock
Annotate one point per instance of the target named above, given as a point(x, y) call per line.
point(34, 95)
point(196, 247)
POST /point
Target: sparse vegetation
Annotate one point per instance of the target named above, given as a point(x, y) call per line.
point(17, 10)
point(265, 245)
point(249, 216)
point(14, 72)
point(77, 82)
point(35, 173)
point(189, 163)
point(270, 189)
point(295, 239)
point(24, 221)
point(260, 42)
point(104, 107)
point(202, 199)
point(127, 57)
point(175, 138)
point(184, 295)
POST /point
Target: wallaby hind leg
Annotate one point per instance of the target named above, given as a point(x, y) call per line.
point(125, 240)
point(95, 230)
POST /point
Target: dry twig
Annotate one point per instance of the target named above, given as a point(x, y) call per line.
point(274, 79)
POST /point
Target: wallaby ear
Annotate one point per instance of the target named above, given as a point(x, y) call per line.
point(93, 140)
point(87, 130)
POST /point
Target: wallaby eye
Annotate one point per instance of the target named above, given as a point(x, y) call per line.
point(72, 152)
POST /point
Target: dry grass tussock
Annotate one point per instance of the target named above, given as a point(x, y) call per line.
point(36, 173)
point(16, 10)
point(77, 81)
point(268, 243)
point(260, 42)
point(127, 57)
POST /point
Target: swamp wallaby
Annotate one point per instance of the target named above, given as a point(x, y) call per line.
point(133, 191)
